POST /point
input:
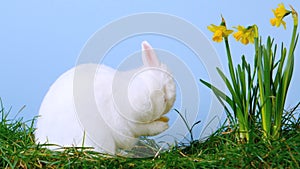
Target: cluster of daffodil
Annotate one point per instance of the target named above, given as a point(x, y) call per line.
point(261, 90)
point(244, 35)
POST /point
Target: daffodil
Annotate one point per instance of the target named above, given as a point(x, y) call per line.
point(245, 35)
point(220, 32)
point(280, 12)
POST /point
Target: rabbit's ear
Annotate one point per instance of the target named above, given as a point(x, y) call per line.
point(148, 55)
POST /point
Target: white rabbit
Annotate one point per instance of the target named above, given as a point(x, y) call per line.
point(130, 104)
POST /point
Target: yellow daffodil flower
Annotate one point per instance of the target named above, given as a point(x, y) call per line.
point(220, 32)
point(245, 35)
point(280, 12)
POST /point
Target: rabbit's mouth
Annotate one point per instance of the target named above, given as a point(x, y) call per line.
point(163, 119)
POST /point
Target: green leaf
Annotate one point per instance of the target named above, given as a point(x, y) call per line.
point(218, 92)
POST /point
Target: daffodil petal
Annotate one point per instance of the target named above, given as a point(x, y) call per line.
point(212, 28)
point(273, 21)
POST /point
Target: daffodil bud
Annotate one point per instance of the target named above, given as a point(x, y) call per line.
point(295, 15)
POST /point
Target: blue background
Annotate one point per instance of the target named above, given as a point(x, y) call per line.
point(39, 40)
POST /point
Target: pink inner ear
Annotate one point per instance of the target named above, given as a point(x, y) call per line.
point(146, 46)
point(149, 56)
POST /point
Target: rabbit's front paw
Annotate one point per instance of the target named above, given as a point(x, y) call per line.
point(158, 127)
point(154, 128)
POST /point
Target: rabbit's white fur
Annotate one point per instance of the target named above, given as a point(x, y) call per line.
point(130, 104)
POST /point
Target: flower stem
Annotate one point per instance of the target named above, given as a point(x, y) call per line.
point(230, 64)
point(240, 113)
point(287, 75)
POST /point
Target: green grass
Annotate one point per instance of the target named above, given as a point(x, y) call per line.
point(221, 150)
